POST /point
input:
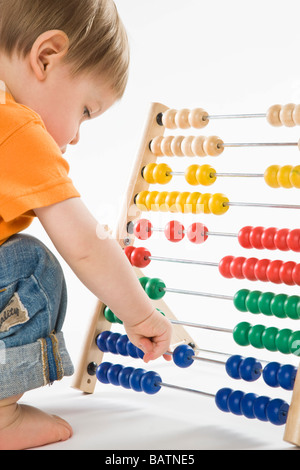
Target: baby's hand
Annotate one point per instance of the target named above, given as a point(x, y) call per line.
point(153, 336)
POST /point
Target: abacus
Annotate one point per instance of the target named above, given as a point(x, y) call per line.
point(135, 226)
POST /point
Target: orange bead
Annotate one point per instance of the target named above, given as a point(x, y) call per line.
point(206, 175)
point(270, 176)
point(213, 146)
point(217, 204)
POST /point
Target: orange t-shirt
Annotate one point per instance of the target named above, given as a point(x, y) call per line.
point(33, 172)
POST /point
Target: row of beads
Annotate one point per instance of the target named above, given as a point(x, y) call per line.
point(184, 202)
point(285, 341)
point(264, 270)
point(269, 238)
point(287, 115)
point(286, 176)
point(174, 231)
point(138, 380)
point(186, 146)
point(268, 303)
point(116, 343)
point(251, 406)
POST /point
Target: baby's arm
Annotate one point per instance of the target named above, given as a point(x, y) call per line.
point(104, 269)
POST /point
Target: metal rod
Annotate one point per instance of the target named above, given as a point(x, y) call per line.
point(177, 260)
point(192, 390)
point(259, 204)
point(221, 234)
point(234, 116)
point(203, 327)
point(259, 144)
point(201, 294)
point(240, 175)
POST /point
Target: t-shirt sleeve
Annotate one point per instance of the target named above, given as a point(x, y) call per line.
point(33, 172)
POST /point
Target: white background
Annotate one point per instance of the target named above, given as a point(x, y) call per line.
point(227, 57)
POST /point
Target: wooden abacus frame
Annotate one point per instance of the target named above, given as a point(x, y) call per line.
point(85, 380)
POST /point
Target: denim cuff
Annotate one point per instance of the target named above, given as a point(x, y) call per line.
point(34, 365)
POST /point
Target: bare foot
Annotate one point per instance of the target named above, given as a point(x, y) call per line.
point(24, 427)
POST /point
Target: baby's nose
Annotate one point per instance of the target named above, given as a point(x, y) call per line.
point(76, 139)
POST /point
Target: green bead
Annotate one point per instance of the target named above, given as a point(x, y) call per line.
point(109, 315)
point(252, 301)
point(255, 336)
point(277, 305)
point(282, 340)
point(269, 338)
point(155, 288)
point(143, 281)
point(239, 300)
point(240, 333)
point(290, 307)
point(264, 302)
point(294, 343)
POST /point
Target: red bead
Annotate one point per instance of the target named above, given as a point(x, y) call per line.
point(196, 233)
point(174, 231)
point(255, 237)
point(267, 238)
point(243, 237)
point(128, 251)
point(293, 239)
point(139, 257)
point(286, 273)
point(224, 266)
point(280, 239)
point(142, 229)
point(236, 267)
point(273, 271)
point(296, 274)
point(260, 270)
point(248, 269)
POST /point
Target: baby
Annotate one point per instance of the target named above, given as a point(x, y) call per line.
point(62, 63)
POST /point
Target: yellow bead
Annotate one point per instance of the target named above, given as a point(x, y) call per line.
point(270, 176)
point(148, 173)
point(217, 204)
point(160, 200)
point(161, 173)
point(181, 202)
point(171, 201)
point(283, 176)
point(213, 146)
point(191, 203)
point(295, 176)
point(205, 175)
point(190, 175)
point(140, 200)
point(203, 203)
point(150, 201)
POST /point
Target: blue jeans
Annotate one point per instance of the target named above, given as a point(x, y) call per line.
point(33, 301)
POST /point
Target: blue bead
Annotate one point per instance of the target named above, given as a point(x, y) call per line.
point(287, 376)
point(221, 399)
point(124, 376)
point(232, 366)
point(101, 372)
point(111, 342)
point(150, 382)
point(113, 374)
point(277, 411)
point(121, 345)
point(250, 369)
point(270, 374)
point(101, 340)
point(247, 405)
point(135, 379)
point(132, 350)
point(140, 353)
point(234, 402)
point(182, 356)
point(260, 408)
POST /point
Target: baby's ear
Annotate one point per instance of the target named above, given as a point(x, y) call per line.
point(47, 50)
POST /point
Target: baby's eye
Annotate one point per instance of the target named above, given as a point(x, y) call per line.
point(87, 113)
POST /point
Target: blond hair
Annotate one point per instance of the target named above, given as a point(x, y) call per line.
point(98, 40)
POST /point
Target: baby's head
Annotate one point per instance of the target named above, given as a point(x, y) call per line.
point(66, 60)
